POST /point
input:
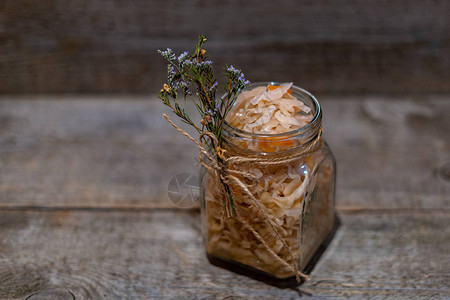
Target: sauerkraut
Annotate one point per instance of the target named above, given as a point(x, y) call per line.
point(269, 110)
point(280, 189)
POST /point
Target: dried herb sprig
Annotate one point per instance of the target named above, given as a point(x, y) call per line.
point(188, 74)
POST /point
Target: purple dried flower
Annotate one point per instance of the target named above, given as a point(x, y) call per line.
point(202, 65)
point(171, 73)
point(216, 109)
point(231, 69)
point(168, 54)
point(237, 77)
point(213, 87)
point(182, 57)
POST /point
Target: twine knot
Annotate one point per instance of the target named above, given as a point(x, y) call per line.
point(220, 152)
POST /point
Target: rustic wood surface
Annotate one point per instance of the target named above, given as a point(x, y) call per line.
point(159, 254)
point(118, 151)
point(339, 47)
point(84, 211)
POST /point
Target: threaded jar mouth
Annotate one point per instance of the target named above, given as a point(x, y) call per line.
point(234, 137)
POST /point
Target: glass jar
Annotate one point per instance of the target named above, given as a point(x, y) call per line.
point(297, 197)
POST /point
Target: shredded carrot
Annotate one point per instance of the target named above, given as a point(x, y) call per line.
point(269, 144)
point(310, 162)
point(274, 87)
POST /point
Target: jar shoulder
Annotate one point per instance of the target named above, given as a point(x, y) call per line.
point(324, 156)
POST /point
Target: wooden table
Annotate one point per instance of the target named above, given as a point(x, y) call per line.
point(84, 211)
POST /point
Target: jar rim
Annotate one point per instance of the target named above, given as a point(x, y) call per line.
point(299, 131)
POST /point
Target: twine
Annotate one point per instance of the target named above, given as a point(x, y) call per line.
point(219, 167)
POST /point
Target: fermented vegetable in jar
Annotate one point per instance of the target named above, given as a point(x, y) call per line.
point(293, 182)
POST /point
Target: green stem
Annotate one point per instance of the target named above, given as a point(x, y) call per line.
point(227, 189)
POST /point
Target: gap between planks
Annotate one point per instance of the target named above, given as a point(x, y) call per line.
point(151, 209)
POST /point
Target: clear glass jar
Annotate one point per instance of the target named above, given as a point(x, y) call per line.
point(298, 197)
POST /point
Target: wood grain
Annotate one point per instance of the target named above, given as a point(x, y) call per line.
point(84, 211)
point(118, 152)
point(110, 46)
point(136, 255)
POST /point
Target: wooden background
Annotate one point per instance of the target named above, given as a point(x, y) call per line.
point(84, 211)
point(109, 46)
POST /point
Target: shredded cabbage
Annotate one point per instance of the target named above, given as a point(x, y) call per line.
point(279, 189)
point(269, 110)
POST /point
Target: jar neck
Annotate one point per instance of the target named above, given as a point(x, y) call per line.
point(252, 144)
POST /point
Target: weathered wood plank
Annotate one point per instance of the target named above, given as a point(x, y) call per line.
point(390, 151)
point(107, 152)
point(94, 152)
point(159, 254)
point(110, 46)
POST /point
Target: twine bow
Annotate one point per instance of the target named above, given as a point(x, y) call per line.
point(220, 167)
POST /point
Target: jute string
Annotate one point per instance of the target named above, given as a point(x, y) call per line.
point(220, 168)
